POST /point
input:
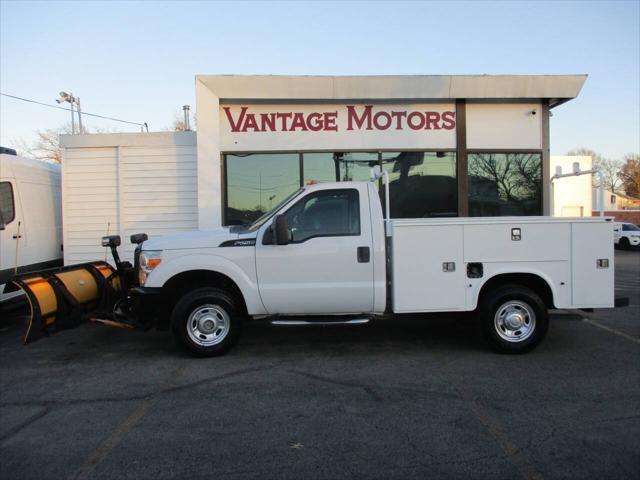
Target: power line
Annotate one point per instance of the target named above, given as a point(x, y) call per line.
point(69, 110)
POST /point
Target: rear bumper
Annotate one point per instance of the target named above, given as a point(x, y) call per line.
point(621, 302)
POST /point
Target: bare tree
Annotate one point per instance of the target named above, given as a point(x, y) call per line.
point(629, 174)
point(178, 124)
point(610, 168)
point(46, 145)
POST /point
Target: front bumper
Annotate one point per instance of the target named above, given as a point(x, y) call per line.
point(148, 305)
point(634, 241)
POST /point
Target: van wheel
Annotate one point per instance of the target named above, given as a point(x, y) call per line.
point(624, 243)
point(206, 322)
point(513, 319)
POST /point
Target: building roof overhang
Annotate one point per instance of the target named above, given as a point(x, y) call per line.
point(556, 89)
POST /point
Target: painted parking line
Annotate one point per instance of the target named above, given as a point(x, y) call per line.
point(611, 330)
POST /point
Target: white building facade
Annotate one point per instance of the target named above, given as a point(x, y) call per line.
point(471, 145)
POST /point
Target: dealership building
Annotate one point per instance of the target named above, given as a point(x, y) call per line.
point(454, 145)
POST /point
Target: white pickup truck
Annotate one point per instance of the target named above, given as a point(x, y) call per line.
point(327, 255)
point(626, 235)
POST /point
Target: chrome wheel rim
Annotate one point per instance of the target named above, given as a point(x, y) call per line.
point(515, 321)
point(208, 325)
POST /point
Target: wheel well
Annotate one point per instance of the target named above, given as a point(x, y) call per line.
point(529, 280)
point(181, 283)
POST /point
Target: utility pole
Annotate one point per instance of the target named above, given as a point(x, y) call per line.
point(77, 99)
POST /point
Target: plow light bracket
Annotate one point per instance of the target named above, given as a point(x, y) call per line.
point(111, 241)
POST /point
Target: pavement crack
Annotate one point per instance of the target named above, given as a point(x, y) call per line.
point(343, 383)
point(33, 418)
point(118, 434)
point(131, 398)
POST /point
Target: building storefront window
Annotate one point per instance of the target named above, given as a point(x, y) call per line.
point(255, 183)
point(339, 166)
point(422, 184)
point(505, 184)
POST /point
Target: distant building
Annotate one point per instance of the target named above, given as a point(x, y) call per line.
point(616, 201)
point(572, 196)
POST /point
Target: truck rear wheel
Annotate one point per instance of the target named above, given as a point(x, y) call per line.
point(206, 322)
point(513, 319)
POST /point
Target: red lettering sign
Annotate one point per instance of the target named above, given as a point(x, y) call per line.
point(358, 118)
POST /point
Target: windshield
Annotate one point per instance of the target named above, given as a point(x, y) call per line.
point(260, 221)
point(630, 227)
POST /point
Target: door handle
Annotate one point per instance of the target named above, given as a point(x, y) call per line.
point(364, 255)
point(15, 237)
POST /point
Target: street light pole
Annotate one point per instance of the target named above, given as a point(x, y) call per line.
point(70, 99)
point(77, 100)
point(73, 120)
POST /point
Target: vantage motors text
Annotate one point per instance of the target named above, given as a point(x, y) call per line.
point(358, 118)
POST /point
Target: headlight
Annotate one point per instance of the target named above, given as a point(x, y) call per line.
point(149, 259)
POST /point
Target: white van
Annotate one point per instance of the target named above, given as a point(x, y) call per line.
point(30, 216)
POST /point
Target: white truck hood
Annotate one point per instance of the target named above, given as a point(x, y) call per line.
point(197, 239)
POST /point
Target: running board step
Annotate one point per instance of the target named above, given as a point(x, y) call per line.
point(292, 322)
point(114, 323)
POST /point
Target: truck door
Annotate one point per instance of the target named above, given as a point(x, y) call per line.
point(327, 266)
point(9, 219)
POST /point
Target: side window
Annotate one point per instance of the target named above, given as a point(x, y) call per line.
point(7, 206)
point(326, 213)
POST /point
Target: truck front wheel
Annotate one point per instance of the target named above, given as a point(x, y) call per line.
point(206, 322)
point(513, 319)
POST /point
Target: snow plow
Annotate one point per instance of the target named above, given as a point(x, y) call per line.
point(63, 298)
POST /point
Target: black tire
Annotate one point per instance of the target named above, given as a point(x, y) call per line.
point(523, 305)
point(193, 312)
point(624, 243)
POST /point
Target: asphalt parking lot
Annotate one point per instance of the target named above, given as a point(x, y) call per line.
point(396, 399)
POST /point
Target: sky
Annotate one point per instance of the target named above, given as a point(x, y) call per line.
point(137, 60)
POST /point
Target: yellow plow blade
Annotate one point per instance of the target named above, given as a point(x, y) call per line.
point(60, 299)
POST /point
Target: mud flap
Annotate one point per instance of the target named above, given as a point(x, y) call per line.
point(60, 299)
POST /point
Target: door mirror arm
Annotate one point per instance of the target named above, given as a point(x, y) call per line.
point(280, 230)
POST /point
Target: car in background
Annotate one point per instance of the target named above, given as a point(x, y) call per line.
point(626, 235)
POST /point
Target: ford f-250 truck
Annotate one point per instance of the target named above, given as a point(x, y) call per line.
point(327, 254)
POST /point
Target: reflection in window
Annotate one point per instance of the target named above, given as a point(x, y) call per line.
point(503, 184)
point(338, 167)
point(7, 212)
point(325, 213)
point(422, 184)
point(255, 183)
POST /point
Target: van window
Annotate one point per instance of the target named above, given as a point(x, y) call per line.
point(7, 206)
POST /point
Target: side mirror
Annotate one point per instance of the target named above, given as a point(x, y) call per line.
point(281, 230)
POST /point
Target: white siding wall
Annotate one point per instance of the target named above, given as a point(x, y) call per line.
point(137, 183)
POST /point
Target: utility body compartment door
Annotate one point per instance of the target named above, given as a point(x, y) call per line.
point(593, 283)
point(428, 268)
point(328, 266)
